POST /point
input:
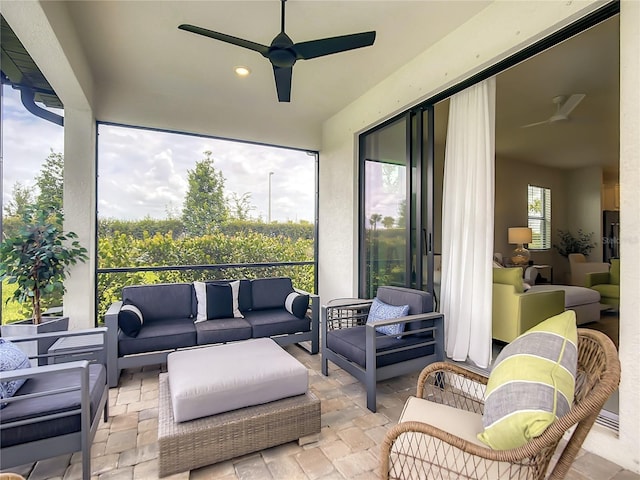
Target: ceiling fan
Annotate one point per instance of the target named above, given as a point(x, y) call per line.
point(564, 106)
point(283, 53)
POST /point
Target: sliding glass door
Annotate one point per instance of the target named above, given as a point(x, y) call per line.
point(395, 204)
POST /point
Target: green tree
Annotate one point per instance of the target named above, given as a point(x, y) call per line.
point(387, 222)
point(402, 214)
point(50, 182)
point(240, 206)
point(205, 208)
point(21, 198)
point(374, 220)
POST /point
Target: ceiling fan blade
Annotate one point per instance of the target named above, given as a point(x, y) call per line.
point(328, 46)
point(283, 82)
point(262, 49)
point(571, 103)
point(534, 124)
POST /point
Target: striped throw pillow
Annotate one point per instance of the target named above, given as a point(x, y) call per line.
point(532, 383)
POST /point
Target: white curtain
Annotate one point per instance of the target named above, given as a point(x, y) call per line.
point(467, 224)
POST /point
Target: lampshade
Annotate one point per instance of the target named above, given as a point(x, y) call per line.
point(520, 235)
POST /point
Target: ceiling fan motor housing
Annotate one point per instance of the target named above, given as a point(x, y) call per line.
point(280, 52)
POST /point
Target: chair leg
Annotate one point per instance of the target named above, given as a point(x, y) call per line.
point(324, 363)
point(371, 396)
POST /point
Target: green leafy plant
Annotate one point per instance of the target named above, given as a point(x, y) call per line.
point(569, 244)
point(37, 257)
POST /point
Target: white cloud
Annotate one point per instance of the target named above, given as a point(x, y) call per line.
point(144, 172)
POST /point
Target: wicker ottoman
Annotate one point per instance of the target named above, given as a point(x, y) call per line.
point(203, 441)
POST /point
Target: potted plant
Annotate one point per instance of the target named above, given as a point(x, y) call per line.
point(569, 244)
point(37, 259)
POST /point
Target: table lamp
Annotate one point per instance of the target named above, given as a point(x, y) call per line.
point(520, 236)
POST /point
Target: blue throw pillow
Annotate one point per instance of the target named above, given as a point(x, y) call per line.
point(383, 311)
point(11, 358)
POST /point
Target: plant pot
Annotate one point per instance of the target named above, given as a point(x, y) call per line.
point(26, 328)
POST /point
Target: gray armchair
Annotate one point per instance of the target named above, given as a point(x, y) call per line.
point(58, 409)
point(356, 347)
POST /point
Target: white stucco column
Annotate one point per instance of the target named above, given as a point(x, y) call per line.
point(47, 32)
point(80, 213)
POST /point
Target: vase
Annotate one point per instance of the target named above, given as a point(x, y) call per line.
point(25, 328)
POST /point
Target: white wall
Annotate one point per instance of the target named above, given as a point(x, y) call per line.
point(499, 30)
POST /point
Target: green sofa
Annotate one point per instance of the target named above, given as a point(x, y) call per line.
point(607, 284)
point(516, 311)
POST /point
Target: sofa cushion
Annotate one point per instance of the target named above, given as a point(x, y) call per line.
point(165, 334)
point(161, 301)
point(11, 358)
point(61, 402)
point(222, 330)
point(509, 276)
point(383, 311)
point(532, 383)
point(350, 343)
point(275, 321)
point(130, 319)
point(270, 292)
point(217, 300)
point(297, 304)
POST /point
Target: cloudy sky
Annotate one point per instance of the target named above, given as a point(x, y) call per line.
point(144, 173)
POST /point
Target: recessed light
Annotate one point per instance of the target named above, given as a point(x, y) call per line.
point(242, 71)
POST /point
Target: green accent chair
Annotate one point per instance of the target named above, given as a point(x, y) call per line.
point(516, 311)
point(607, 284)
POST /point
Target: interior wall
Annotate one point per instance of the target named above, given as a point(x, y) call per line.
point(512, 180)
point(584, 206)
point(447, 63)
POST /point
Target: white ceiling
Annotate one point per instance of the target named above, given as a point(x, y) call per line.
point(149, 73)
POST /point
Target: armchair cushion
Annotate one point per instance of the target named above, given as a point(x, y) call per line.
point(49, 404)
point(383, 311)
point(351, 344)
point(11, 358)
point(532, 383)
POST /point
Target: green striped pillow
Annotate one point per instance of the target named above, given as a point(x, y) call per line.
point(532, 383)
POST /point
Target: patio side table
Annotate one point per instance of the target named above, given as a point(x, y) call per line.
point(83, 348)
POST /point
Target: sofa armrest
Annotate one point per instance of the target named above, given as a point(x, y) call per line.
point(111, 322)
point(536, 307)
point(514, 313)
point(596, 278)
point(314, 304)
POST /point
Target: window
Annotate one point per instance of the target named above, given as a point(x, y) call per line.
point(539, 206)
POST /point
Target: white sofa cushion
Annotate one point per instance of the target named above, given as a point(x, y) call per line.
point(210, 380)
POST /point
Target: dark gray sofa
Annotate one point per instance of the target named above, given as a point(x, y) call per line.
point(169, 311)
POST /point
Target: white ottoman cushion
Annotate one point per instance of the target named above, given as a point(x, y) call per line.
point(573, 296)
point(211, 380)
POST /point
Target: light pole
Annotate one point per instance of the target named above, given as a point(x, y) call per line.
point(269, 217)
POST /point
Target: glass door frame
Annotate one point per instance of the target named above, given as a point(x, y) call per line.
point(419, 197)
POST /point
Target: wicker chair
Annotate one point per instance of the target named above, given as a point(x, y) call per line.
point(415, 450)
